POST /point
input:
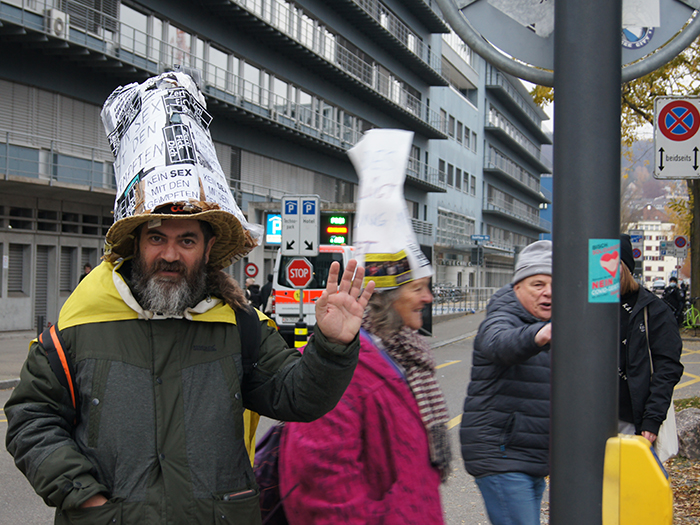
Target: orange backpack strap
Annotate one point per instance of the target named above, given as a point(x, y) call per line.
point(60, 362)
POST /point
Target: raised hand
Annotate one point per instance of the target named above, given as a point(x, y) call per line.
point(339, 309)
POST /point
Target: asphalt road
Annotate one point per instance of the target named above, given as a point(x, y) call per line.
point(461, 500)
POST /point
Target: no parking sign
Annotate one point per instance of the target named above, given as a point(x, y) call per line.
point(676, 137)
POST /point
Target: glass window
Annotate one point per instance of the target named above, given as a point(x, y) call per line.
point(217, 70)
point(155, 38)
point(459, 132)
point(472, 186)
point(251, 75)
point(451, 126)
point(458, 178)
point(133, 30)
point(179, 47)
point(306, 31)
point(441, 170)
point(450, 175)
point(306, 110)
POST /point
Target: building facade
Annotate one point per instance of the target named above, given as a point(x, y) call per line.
point(492, 163)
point(657, 227)
point(291, 85)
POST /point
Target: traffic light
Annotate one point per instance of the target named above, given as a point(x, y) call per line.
point(477, 256)
point(335, 228)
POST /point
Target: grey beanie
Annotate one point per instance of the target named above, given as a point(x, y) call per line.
point(535, 259)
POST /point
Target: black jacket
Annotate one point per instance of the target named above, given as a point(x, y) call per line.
point(651, 396)
point(505, 425)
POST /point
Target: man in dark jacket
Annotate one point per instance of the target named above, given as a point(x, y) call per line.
point(505, 425)
point(265, 292)
point(152, 427)
point(674, 298)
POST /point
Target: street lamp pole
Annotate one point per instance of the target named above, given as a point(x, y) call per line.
point(586, 187)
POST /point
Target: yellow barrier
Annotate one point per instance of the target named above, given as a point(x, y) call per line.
point(636, 489)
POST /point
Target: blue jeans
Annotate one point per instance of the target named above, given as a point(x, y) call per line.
point(512, 498)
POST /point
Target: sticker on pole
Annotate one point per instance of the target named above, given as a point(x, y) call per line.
point(603, 270)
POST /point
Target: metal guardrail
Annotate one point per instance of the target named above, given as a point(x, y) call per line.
point(449, 299)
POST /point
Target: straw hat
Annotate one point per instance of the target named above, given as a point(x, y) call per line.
point(166, 167)
point(232, 240)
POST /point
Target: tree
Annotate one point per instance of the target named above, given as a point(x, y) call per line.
point(676, 78)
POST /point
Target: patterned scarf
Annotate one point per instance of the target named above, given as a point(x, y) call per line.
point(411, 352)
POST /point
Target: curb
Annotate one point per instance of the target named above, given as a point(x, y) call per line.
point(7, 384)
point(439, 344)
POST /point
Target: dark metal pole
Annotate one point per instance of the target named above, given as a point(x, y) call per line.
point(587, 65)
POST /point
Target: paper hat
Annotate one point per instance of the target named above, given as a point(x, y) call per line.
point(166, 167)
point(384, 240)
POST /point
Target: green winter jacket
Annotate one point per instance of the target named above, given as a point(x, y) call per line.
point(160, 430)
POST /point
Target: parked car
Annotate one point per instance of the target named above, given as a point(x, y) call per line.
point(658, 287)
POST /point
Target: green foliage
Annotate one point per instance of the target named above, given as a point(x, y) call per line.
point(690, 402)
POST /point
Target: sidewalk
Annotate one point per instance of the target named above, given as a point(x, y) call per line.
point(14, 345)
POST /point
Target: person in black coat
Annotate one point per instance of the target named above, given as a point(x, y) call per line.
point(645, 396)
point(674, 298)
point(265, 292)
point(505, 425)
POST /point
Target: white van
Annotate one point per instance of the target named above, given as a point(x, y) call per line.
point(285, 298)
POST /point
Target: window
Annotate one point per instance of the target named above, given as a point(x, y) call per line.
point(473, 141)
point(450, 175)
point(451, 127)
point(661, 268)
point(217, 70)
point(647, 268)
point(466, 136)
point(472, 186)
point(21, 218)
point(441, 170)
point(443, 121)
point(458, 179)
point(251, 74)
point(460, 131)
point(133, 30)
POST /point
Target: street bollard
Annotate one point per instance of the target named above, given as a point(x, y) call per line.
point(301, 333)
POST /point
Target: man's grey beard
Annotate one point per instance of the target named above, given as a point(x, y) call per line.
point(165, 296)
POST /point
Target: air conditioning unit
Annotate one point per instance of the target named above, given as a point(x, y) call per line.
point(57, 23)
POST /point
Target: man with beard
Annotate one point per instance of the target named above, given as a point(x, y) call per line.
point(149, 428)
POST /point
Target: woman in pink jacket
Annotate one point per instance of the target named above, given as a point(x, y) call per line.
point(379, 456)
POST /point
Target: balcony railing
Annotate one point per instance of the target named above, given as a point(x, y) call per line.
point(493, 158)
point(146, 52)
point(514, 209)
point(48, 159)
point(398, 29)
point(496, 78)
point(421, 171)
point(316, 38)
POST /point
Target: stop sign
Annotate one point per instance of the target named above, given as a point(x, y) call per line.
point(299, 272)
